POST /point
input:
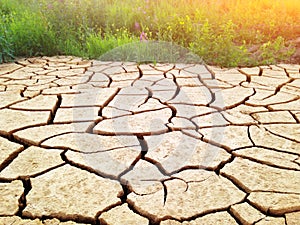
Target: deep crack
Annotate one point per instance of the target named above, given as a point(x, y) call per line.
point(22, 201)
point(57, 106)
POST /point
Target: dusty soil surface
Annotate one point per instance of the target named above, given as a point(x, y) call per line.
point(91, 142)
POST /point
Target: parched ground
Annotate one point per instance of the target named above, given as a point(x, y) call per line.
point(90, 142)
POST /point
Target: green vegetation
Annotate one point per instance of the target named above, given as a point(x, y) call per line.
point(222, 32)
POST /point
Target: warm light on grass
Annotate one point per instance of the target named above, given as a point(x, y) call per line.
point(223, 32)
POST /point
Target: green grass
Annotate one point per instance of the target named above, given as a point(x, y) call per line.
point(221, 32)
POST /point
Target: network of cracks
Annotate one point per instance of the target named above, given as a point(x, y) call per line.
point(92, 142)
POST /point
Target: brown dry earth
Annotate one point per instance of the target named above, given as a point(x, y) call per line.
point(91, 142)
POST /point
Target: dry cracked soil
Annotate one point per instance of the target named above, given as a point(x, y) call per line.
point(91, 142)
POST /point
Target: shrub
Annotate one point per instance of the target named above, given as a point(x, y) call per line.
point(274, 51)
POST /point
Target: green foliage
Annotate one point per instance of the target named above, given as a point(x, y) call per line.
point(219, 31)
point(272, 52)
point(31, 36)
point(6, 52)
point(26, 32)
point(219, 48)
point(97, 44)
point(6, 49)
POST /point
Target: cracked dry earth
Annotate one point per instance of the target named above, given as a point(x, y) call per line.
point(91, 142)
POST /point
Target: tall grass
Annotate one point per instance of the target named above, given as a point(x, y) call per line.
point(222, 32)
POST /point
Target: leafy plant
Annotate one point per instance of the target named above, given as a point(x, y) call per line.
point(31, 36)
point(6, 48)
point(271, 52)
point(219, 48)
point(6, 52)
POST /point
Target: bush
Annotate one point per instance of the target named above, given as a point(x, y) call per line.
point(272, 52)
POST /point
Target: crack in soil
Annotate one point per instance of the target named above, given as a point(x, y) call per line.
point(168, 75)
